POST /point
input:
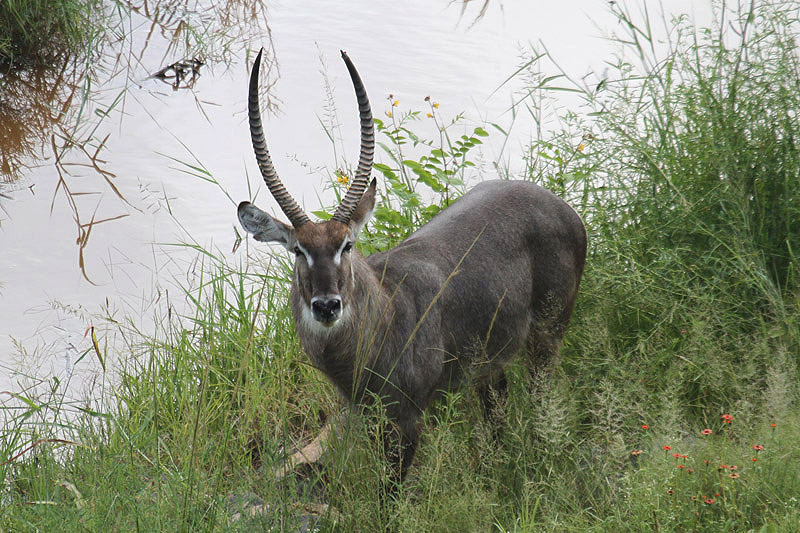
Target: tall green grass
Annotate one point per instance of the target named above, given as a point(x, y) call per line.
point(39, 30)
point(683, 162)
point(688, 178)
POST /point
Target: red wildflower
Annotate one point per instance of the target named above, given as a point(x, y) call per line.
point(645, 426)
point(727, 419)
point(676, 455)
point(709, 501)
point(668, 448)
point(706, 432)
point(758, 447)
point(681, 467)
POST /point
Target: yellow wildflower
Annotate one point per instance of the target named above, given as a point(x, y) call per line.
point(436, 105)
point(395, 103)
point(389, 114)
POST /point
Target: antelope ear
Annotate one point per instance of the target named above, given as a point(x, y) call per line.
point(264, 227)
point(363, 211)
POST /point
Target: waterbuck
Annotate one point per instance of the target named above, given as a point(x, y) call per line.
point(494, 274)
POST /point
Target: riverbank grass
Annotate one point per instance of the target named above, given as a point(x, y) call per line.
point(35, 31)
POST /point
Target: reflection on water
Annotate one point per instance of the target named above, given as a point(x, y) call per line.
point(466, 4)
point(32, 101)
point(216, 30)
point(54, 115)
point(181, 74)
point(77, 165)
point(193, 31)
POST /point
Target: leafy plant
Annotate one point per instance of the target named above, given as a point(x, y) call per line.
point(418, 186)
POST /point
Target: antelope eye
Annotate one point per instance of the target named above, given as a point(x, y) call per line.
point(297, 250)
point(348, 247)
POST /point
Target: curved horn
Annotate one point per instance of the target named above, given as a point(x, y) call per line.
point(361, 179)
point(293, 212)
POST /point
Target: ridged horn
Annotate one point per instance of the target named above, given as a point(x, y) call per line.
point(288, 205)
point(361, 179)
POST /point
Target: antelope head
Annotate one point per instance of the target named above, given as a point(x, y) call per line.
point(324, 254)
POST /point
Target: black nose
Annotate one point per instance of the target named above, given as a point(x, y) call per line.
point(326, 309)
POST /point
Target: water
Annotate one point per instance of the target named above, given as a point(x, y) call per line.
point(108, 249)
